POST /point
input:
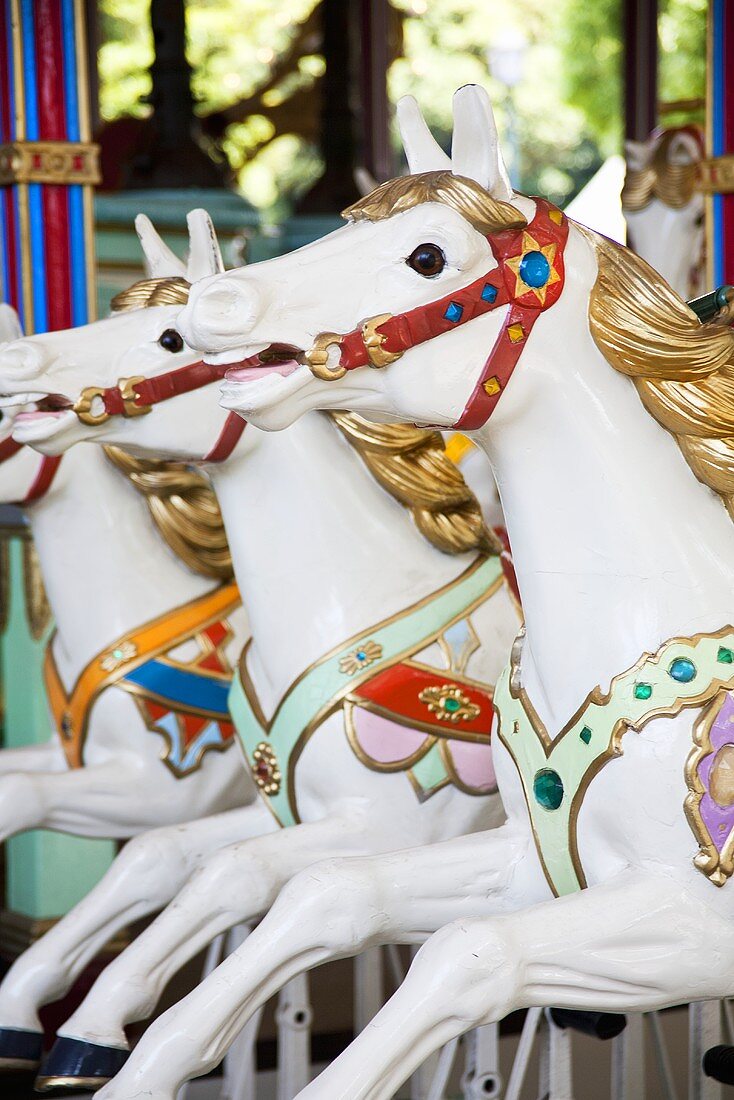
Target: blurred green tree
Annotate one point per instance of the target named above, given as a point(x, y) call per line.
point(257, 68)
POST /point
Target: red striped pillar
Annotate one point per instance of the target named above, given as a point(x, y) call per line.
point(48, 165)
point(717, 172)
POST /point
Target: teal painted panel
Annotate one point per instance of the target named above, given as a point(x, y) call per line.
point(47, 873)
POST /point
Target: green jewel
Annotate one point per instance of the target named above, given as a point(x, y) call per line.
point(725, 655)
point(585, 735)
point(451, 705)
point(643, 691)
point(118, 653)
point(548, 789)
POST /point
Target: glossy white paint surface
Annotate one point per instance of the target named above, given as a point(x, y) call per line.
point(320, 553)
point(617, 547)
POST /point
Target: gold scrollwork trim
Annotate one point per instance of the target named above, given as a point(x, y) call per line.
point(37, 605)
point(716, 175)
point(59, 162)
point(717, 866)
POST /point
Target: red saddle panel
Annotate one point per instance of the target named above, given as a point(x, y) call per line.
point(449, 706)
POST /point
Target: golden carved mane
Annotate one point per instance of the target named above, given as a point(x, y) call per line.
point(662, 178)
point(180, 498)
point(683, 370)
point(410, 463)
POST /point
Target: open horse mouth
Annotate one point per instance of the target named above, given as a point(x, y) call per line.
point(282, 359)
point(37, 405)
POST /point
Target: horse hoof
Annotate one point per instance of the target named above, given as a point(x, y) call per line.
point(602, 1025)
point(74, 1064)
point(20, 1050)
point(718, 1063)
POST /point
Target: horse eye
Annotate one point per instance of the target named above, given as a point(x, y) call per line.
point(171, 340)
point(427, 259)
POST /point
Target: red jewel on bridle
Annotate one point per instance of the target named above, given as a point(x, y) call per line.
point(529, 277)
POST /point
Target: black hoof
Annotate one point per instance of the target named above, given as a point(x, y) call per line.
point(74, 1064)
point(718, 1062)
point(19, 1050)
point(602, 1025)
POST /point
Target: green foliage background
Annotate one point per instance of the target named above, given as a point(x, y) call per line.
point(567, 106)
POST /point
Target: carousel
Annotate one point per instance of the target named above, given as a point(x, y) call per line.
point(426, 790)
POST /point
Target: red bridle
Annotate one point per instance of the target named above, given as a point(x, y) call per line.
point(44, 476)
point(529, 277)
point(136, 396)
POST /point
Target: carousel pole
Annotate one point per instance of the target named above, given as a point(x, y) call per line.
point(717, 171)
point(48, 167)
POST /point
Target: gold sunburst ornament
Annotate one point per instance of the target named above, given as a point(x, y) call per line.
point(112, 660)
point(534, 268)
point(449, 703)
point(361, 657)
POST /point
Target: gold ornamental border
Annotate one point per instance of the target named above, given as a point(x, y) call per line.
point(716, 175)
point(57, 162)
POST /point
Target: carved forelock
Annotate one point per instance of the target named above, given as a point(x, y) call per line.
point(170, 291)
point(485, 213)
point(661, 177)
point(683, 370)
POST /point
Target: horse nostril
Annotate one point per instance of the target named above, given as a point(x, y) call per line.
point(20, 361)
point(220, 315)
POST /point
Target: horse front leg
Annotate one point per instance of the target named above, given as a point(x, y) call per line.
point(144, 877)
point(639, 942)
point(48, 757)
point(119, 798)
point(332, 909)
point(233, 886)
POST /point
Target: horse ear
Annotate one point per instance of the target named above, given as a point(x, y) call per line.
point(684, 149)
point(204, 255)
point(637, 154)
point(160, 262)
point(9, 324)
point(475, 149)
point(422, 151)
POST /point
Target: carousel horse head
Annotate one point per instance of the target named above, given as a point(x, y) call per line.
point(100, 381)
point(448, 296)
point(394, 277)
point(663, 207)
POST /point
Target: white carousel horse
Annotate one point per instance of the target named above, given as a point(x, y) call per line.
point(121, 757)
point(663, 207)
point(610, 885)
point(364, 702)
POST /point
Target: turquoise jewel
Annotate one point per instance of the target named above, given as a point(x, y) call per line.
point(548, 789)
point(534, 269)
point(361, 655)
point(642, 691)
point(585, 735)
point(682, 670)
point(453, 312)
point(489, 293)
point(725, 655)
point(118, 654)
